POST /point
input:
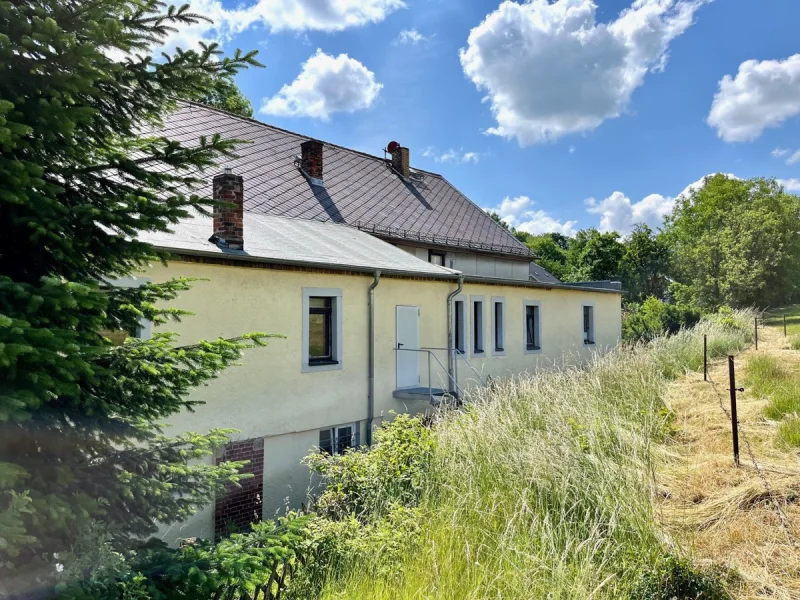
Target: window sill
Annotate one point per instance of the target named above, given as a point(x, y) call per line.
point(322, 363)
point(533, 349)
point(588, 343)
point(318, 367)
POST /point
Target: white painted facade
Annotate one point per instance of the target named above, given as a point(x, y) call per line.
point(472, 263)
point(275, 396)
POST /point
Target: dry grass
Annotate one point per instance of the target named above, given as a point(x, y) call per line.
point(723, 513)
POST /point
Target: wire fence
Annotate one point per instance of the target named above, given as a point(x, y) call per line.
point(738, 430)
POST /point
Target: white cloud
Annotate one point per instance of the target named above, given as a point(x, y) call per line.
point(410, 36)
point(519, 213)
point(280, 15)
point(790, 185)
point(618, 213)
point(793, 155)
point(763, 94)
point(780, 152)
point(572, 149)
point(326, 85)
point(451, 156)
point(794, 158)
point(549, 69)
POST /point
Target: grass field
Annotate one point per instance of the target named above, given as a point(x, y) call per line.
point(774, 318)
point(544, 487)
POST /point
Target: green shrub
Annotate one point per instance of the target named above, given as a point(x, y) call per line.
point(653, 318)
point(678, 579)
point(795, 342)
point(364, 481)
point(783, 401)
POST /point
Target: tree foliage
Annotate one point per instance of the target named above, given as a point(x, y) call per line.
point(735, 242)
point(79, 178)
point(226, 95)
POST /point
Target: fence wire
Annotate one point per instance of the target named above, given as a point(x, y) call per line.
point(782, 516)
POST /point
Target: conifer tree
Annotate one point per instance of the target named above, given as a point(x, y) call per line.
point(80, 177)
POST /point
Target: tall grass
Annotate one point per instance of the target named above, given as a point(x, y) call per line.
point(768, 378)
point(542, 487)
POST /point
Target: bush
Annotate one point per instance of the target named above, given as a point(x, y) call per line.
point(653, 318)
point(677, 579)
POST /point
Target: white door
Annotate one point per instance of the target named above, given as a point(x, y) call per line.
point(407, 340)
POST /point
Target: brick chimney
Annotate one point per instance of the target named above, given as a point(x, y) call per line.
point(401, 161)
point(228, 228)
point(311, 159)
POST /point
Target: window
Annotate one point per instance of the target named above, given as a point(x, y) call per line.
point(144, 330)
point(588, 324)
point(533, 333)
point(477, 325)
point(437, 258)
point(336, 440)
point(459, 326)
point(498, 326)
point(322, 329)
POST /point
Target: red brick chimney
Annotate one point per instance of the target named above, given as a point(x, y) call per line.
point(228, 228)
point(311, 159)
point(401, 161)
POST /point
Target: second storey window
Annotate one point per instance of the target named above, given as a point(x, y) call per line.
point(322, 329)
point(532, 333)
point(437, 258)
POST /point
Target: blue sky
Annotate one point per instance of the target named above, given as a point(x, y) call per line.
point(562, 115)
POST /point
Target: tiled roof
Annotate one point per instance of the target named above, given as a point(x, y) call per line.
point(360, 190)
point(296, 241)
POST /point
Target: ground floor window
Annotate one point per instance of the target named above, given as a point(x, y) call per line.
point(459, 326)
point(532, 327)
point(477, 326)
point(498, 325)
point(588, 325)
point(322, 329)
point(336, 440)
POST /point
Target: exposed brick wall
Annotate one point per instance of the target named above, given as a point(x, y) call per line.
point(311, 158)
point(241, 506)
point(228, 224)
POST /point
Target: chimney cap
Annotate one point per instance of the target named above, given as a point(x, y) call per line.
point(228, 171)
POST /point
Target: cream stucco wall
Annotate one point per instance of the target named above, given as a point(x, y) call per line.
point(269, 396)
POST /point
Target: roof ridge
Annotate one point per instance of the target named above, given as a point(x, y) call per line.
point(282, 130)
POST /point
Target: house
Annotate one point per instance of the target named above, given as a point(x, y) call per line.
point(395, 293)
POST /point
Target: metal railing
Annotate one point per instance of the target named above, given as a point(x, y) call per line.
point(460, 353)
point(429, 351)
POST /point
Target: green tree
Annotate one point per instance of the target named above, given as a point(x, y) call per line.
point(735, 242)
point(645, 264)
point(595, 256)
point(226, 95)
point(79, 178)
point(550, 252)
point(497, 219)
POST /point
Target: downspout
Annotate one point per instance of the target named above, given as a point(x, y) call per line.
point(451, 335)
point(371, 352)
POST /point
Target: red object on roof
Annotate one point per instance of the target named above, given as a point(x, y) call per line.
point(392, 147)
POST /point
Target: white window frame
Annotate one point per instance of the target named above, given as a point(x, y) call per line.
point(592, 330)
point(462, 327)
point(337, 310)
point(539, 331)
point(479, 339)
point(502, 330)
point(145, 325)
point(334, 431)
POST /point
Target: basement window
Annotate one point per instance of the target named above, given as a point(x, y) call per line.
point(533, 328)
point(322, 329)
point(477, 326)
point(588, 325)
point(337, 440)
